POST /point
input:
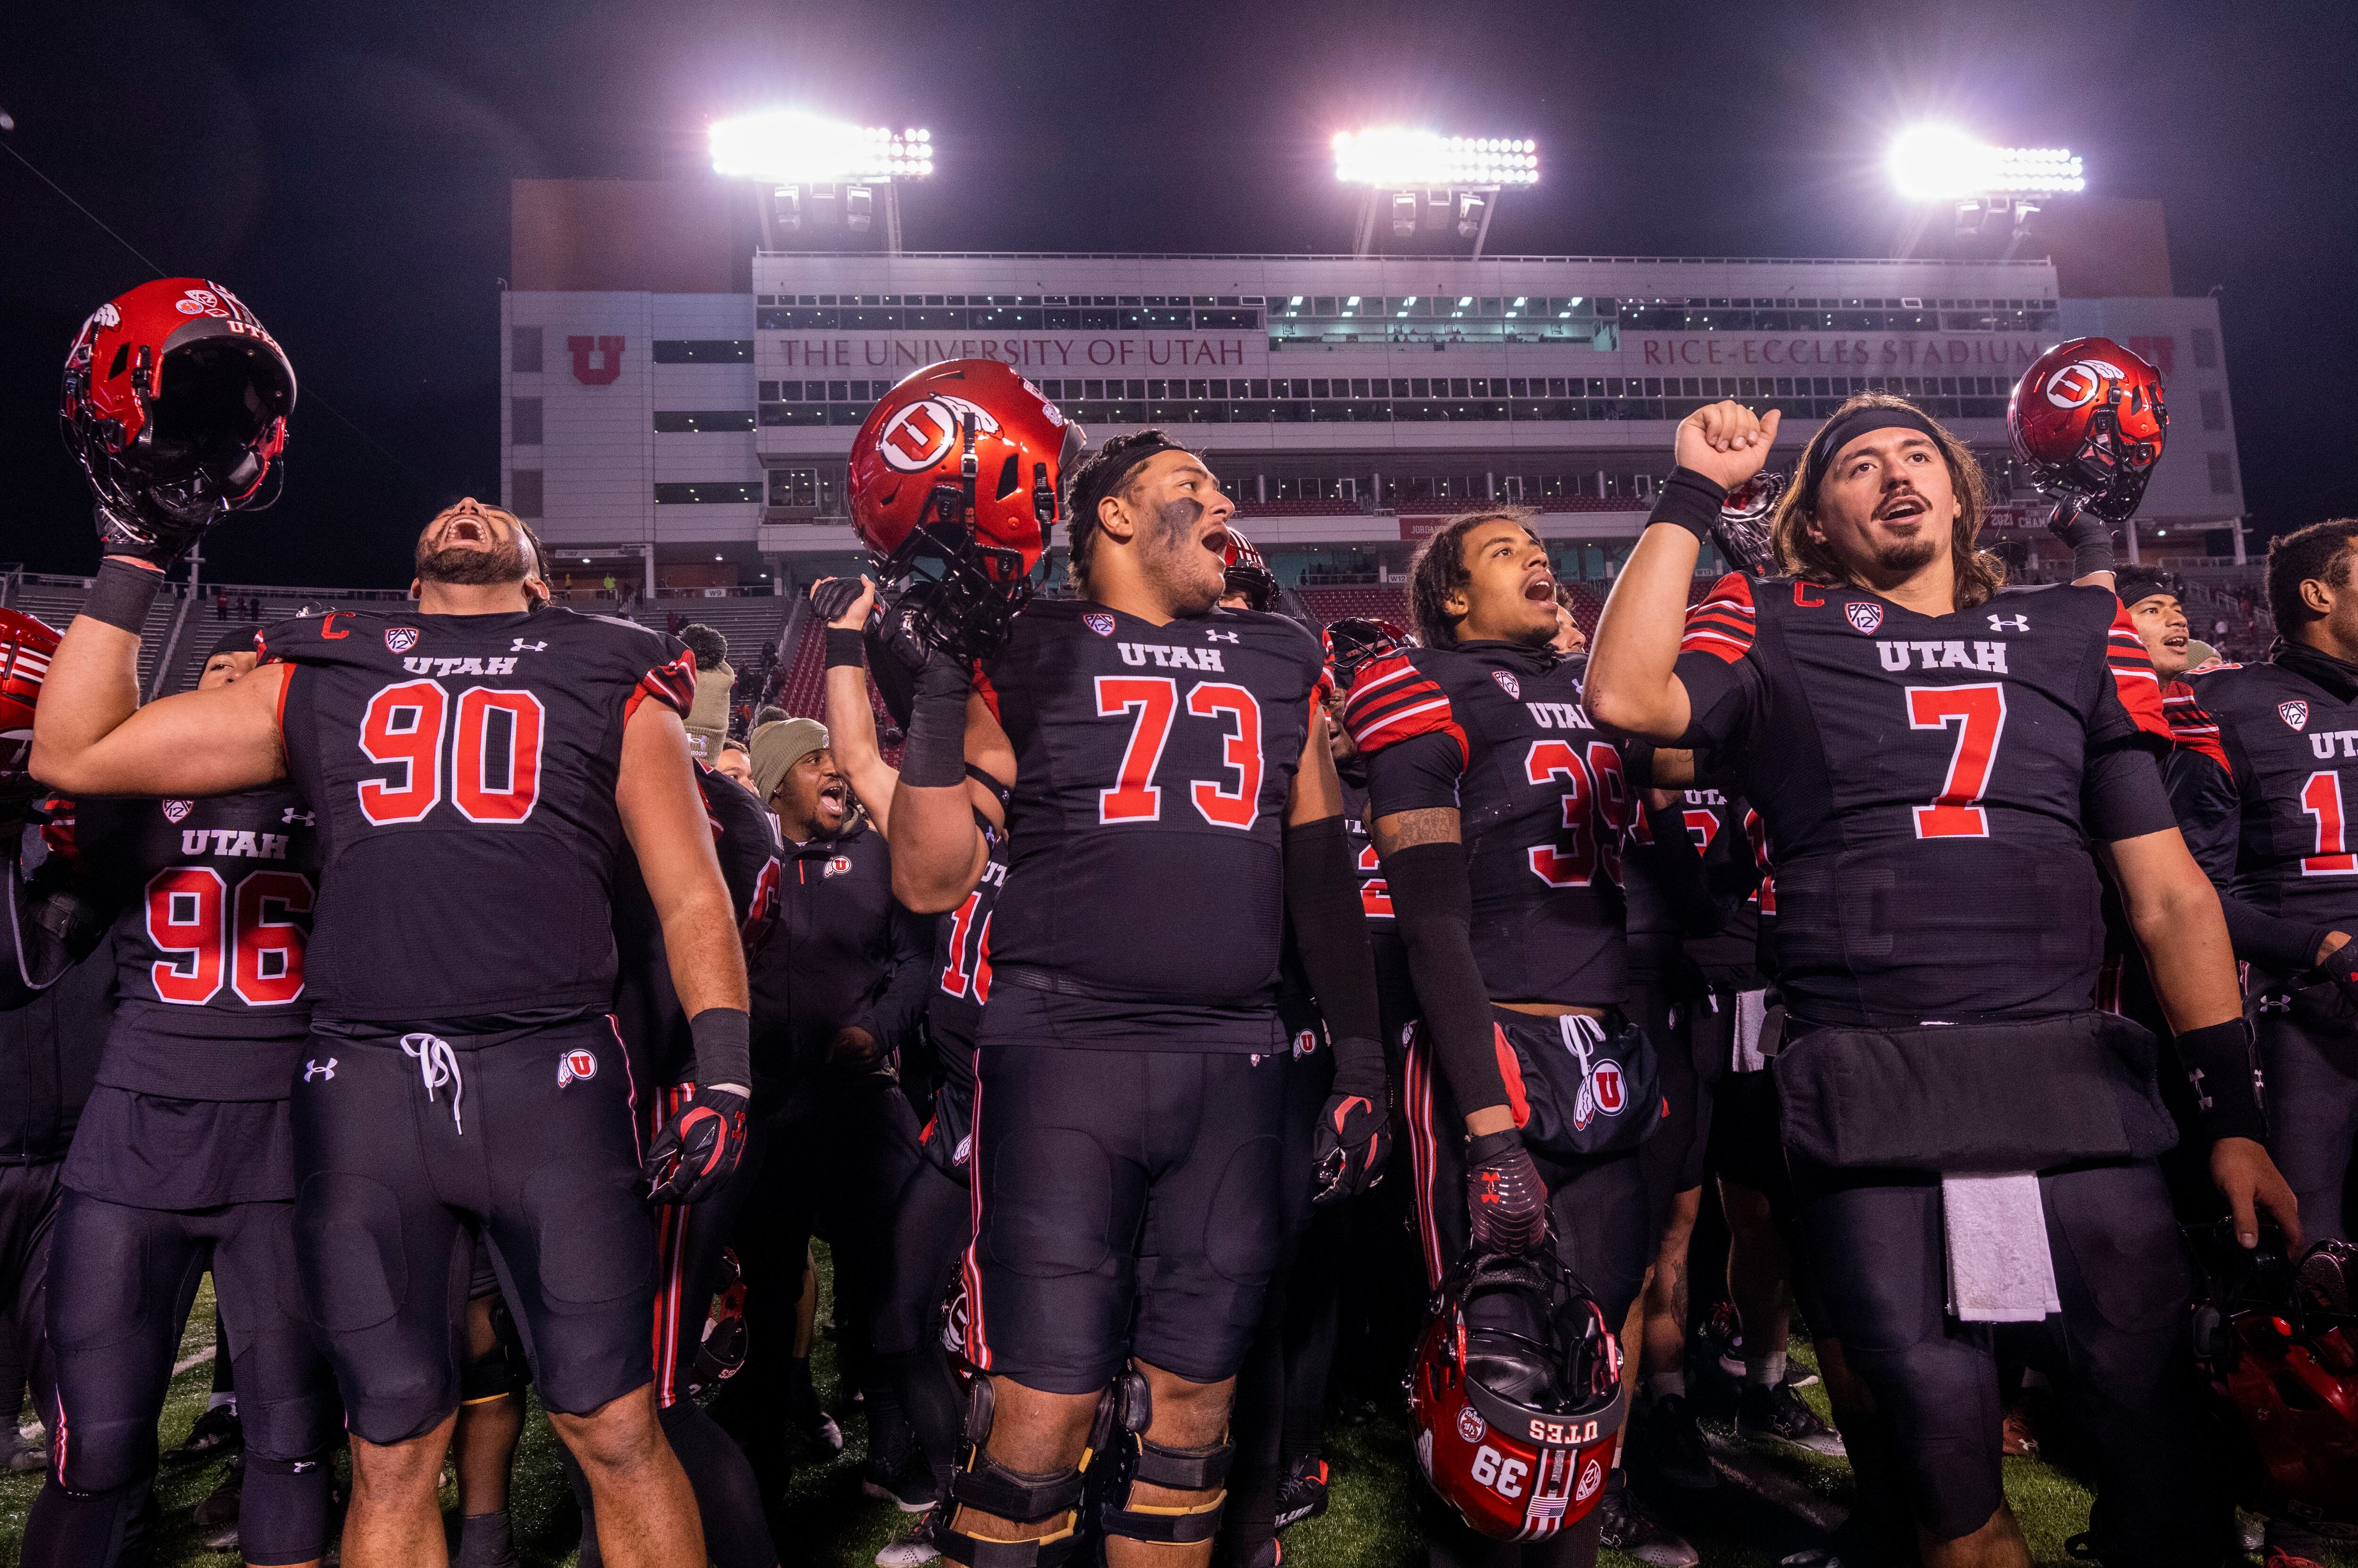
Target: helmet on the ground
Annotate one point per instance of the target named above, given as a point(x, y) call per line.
point(954, 478)
point(1516, 1397)
point(175, 404)
point(1247, 573)
point(1354, 640)
point(2087, 420)
point(2278, 1344)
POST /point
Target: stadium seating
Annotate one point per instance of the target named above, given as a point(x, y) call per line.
point(1251, 509)
point(1389, 603)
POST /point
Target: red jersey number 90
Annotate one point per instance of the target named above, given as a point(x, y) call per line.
point(494, 738)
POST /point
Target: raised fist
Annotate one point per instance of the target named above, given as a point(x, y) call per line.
point(1726, 442)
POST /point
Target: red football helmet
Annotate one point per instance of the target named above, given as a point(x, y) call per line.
point(1516, 1394)
point(1354, 641)
point(175, 404)
point(1248, 573)
point(2279, 1346)
point(961, 464)
point(2087, 420)
point(26, 645)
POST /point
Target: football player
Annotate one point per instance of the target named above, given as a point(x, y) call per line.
point(2259, 792)
point(933, 1214)
point(1172, 805)
point(1499, 810)
point(476, 766)
point(1932, 761)
point(183, 1163)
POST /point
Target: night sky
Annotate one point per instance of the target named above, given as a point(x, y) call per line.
point(345, 168)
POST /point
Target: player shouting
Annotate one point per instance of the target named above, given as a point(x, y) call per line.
point(1932, 764)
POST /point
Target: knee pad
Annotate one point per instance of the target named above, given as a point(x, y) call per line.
point(1203, 1469)
point(95, 1456)
point(985, 1485)
point(284, 1507)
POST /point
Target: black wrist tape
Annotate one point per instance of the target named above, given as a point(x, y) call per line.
point(846, 648)
point(934, 754)
point(121, 593)
point(1689, 501)
point(1481, 1151)
point(723, 1042)
point(2225, 1067)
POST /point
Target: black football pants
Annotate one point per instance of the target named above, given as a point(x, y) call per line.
point(119, 1297)
point(2117, 1351)
point(2312, 1071)
point(29, 1212)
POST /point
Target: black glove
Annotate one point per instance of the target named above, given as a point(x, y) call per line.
point(698, 1150)
point(1353, 1140)
point(149, 534)
point(831, 596)
point(2089, 537)
point(2341, 967)
point(1504, 1196)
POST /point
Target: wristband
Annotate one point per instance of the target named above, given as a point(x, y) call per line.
point(1481, 1151)
point(932, 756)
point(722, 1038)
point(2224, 1065)
point(1690, 501)
point(846, 648)
point(121, 594)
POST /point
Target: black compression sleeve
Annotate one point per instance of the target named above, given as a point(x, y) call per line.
point(932, 756)
point(2225, 1067)
point(722, 1038)
point(2271, 940)
point(1433, 902)
point(121, 593)
point(1330, 933)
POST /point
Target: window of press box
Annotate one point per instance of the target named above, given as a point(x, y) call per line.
point(715, 492)
point(793, 487)
point(702, 421)
point(703, 351)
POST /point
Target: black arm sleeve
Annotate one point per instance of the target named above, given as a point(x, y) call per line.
point(1433, 902)
point(2121, 795)
point(1330, 935)
point(2210, 813)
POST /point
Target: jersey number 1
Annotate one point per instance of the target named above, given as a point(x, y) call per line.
point(1979, 714)
point(2321, 797)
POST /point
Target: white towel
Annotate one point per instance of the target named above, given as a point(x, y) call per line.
point(1999, 1268)
point(1751, 1014)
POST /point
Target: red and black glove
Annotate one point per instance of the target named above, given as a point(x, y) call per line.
point(1505, 1198)
point(1354, 1135)
point(697, 1151)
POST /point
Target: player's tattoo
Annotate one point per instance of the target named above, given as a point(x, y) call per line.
point(1407, 830)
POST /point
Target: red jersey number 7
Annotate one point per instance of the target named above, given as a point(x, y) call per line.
point(1979, 714)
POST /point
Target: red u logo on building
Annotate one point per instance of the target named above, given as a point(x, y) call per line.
point(597, 362)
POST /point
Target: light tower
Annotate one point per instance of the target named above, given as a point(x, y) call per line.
point(1426, 181)
point(811, 173)
point(1991, 190)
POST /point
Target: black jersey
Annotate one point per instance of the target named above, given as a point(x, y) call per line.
point(463, 770)
point(2264, 778)
point(1923, 782)
point(961, 965)
point(1735, 875)
point(834, 938)
point(1497, 731)
point(1145, 901)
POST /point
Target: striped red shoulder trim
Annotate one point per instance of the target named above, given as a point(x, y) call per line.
point(1393, 701)
point(2191, 727)
point(1722, 624)
point(672, 683)
point(2132, 675)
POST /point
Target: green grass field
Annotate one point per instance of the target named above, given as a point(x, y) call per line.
point(1755, 1515)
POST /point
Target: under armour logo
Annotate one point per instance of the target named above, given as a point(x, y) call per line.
point(438, 1064)
point(2201, 1095)
point(520, 646)
point(317, 1069)
point(2009, 622)
point(1223, 636)
point(2276, 1004)
point(291, 815)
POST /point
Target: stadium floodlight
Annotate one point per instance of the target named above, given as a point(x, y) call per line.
point(1397, 158)
point(1941, 163)
point(787, 147)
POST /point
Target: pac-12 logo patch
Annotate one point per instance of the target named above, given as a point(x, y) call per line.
point(176, 810)
point(1470, 1425)
point(1101, 624)
point(1864, 618)
point(2295, 713)
point(400, 639)
point(577, 1063)
point(1590, 1479)
point(1508, 683)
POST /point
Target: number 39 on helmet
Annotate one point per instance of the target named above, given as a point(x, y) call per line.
point(954, 478)
point(2087, 419)
point(1516, 1397)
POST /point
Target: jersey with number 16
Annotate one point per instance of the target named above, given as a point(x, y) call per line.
point(1920, 779)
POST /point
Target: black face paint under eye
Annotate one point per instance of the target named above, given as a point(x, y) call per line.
point(1179, 518)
